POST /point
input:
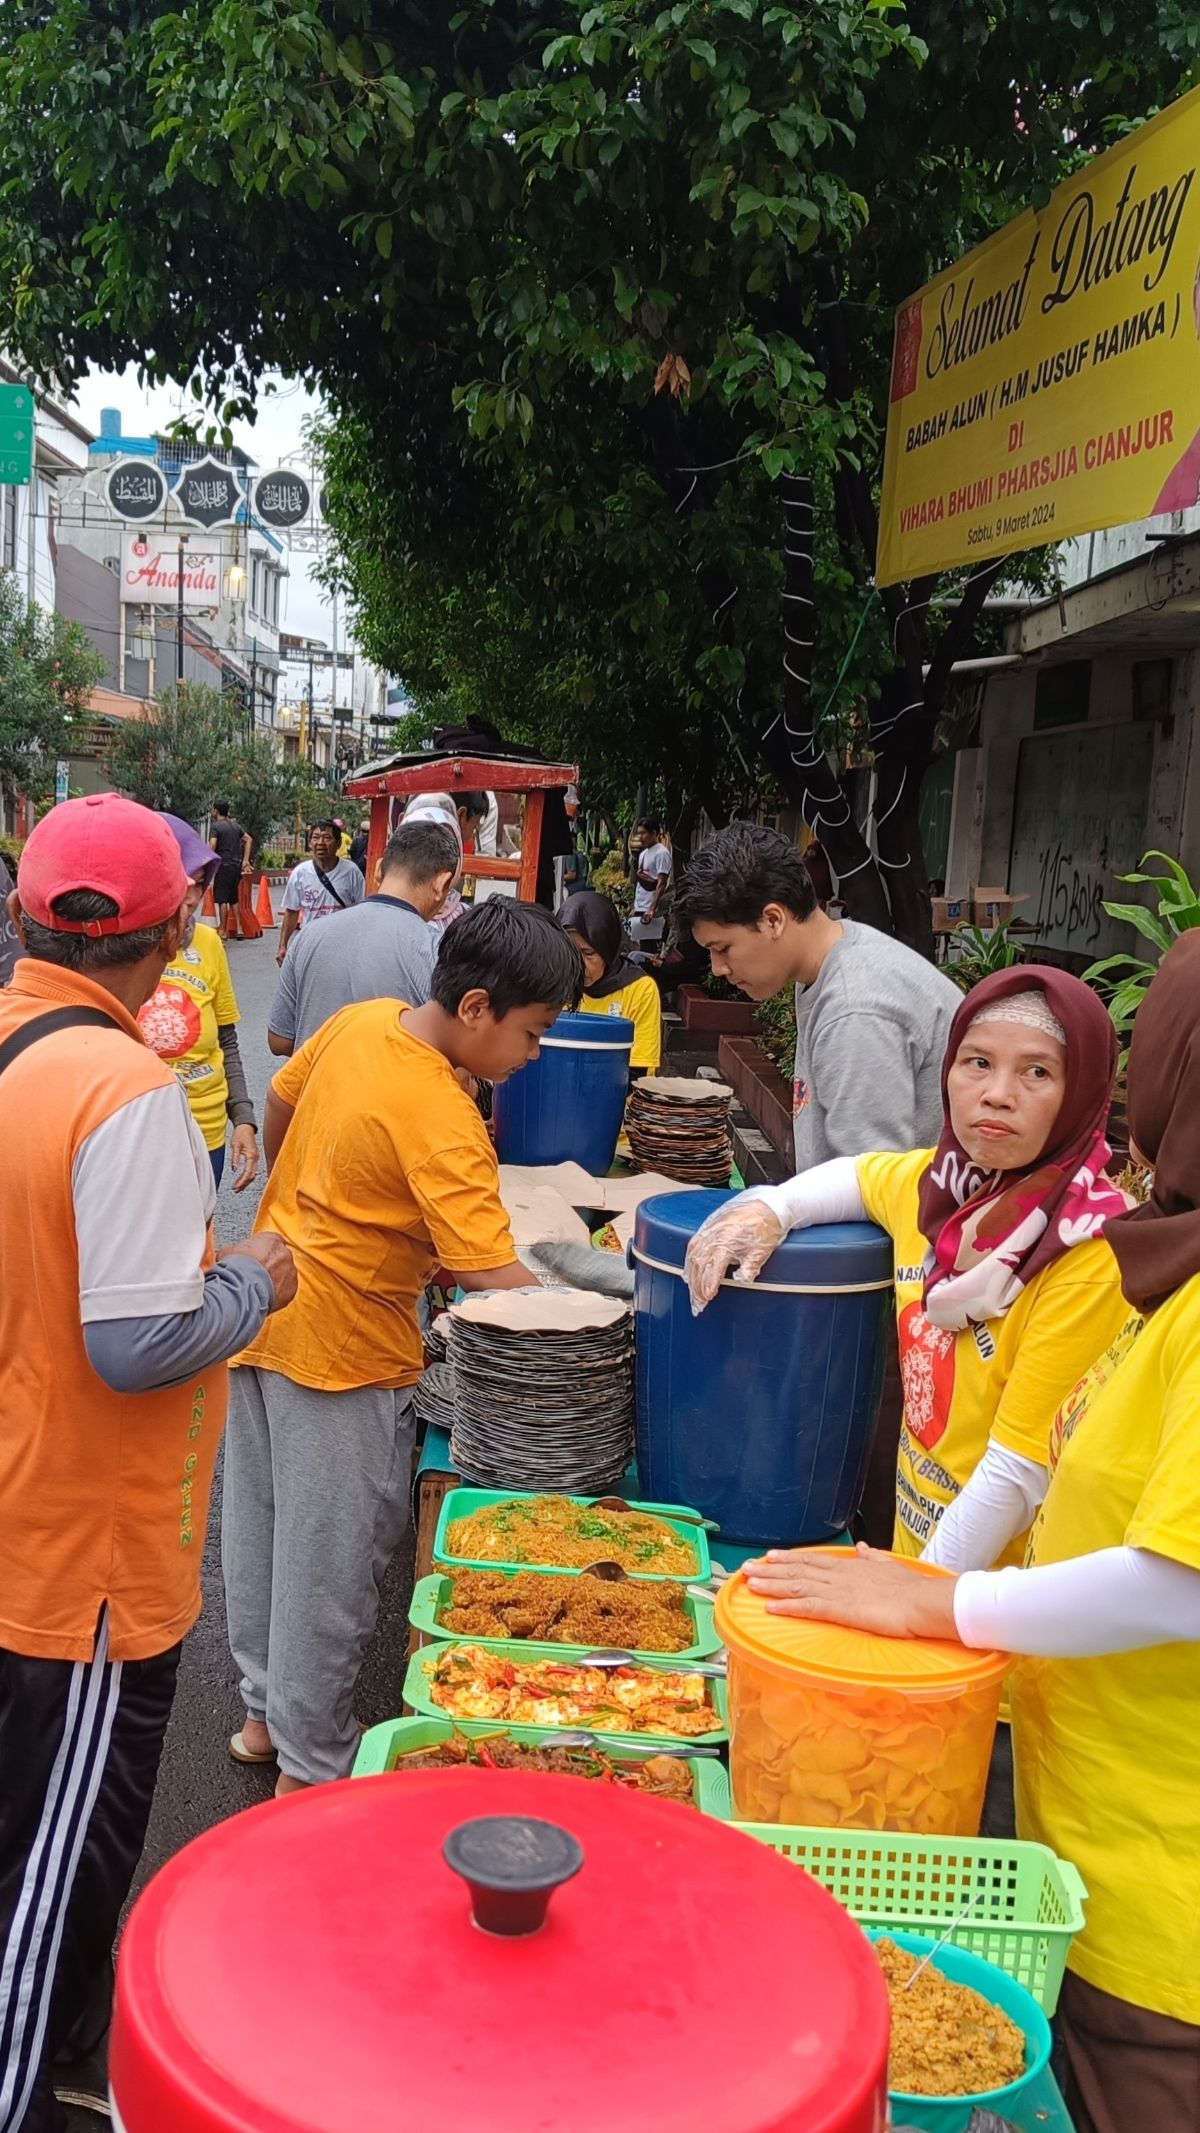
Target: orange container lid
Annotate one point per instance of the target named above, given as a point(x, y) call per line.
point(788, 1644)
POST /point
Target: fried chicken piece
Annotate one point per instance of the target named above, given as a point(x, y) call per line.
point(569, 1610)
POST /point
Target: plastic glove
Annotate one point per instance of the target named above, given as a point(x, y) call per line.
point(741, 1236)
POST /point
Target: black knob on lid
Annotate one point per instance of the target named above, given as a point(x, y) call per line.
point(512, 1865)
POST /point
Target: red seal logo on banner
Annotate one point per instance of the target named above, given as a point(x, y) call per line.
point(907, 350)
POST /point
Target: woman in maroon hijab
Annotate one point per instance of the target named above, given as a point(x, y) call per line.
point(1106, 1613)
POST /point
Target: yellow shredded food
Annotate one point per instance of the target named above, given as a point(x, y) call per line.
point(946, 2039)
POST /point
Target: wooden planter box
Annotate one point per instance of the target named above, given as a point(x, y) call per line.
point(761, 1090)
point(734, 1018)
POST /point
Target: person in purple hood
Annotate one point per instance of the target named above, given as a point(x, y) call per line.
point(191, 1022)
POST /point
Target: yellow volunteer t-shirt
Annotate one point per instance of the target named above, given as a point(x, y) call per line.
point(181, 1021)
point(641, 1005)
point(1108, 1770)
point(386, 1172)
point(1003, 1379)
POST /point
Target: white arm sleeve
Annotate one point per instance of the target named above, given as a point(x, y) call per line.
point(142, 1188)
point(1119, 1600)
point(998, 1502)
point(830, 1192)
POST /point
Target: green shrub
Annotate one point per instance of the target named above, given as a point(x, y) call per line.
point(981, 954)
point(1123, 979)
point(776, 1020)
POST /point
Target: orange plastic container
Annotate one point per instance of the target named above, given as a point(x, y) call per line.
point(841, 1729)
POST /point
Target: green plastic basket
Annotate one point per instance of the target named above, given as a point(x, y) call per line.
point(461, 1502)
point(431, 1596)
point(1024, 1922)
point(384, 1746)
point(418, 1698)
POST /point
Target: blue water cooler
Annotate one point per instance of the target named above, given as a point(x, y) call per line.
point(760, 1412)
point(567, 1107)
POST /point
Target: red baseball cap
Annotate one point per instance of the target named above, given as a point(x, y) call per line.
point(105, 843)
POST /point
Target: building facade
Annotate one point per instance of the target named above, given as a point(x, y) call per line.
point(1085, 753)
point(221, 627)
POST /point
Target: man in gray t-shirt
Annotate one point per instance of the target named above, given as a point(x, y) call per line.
point(382, 949)
point(872, 1016)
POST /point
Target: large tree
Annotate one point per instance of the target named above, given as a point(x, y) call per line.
point(48, 669)
point(635, 262)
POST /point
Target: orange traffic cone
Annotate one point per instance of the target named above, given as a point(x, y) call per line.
point(208, 908)
point(264, 913)
point(251, 930)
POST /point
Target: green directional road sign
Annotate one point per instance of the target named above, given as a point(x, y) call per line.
point(17, 415)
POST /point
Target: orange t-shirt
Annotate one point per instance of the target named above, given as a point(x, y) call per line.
point(103, 1495)
point(386, 1172)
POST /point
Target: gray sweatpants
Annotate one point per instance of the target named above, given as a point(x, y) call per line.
point(315, 1500)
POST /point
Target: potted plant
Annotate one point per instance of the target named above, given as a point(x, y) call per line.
point(1123, 979)
point(980, 953)
point(715, 1007)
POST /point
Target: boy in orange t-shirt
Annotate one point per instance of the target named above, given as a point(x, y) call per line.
point(381, 1170)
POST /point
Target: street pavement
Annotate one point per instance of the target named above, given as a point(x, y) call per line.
point(199, 1784)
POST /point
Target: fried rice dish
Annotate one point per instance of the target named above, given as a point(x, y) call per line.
point(665, 1777)
point(946, 2039)
point(553, 1530)
point(576, 1610)
point(468, 1682)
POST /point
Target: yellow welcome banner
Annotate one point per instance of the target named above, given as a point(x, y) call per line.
point(1049, 384)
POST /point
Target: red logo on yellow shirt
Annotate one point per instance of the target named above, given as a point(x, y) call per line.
point(170, 1022)
point(927, 1370)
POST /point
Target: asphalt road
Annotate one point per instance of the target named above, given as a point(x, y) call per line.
point(199, 1784)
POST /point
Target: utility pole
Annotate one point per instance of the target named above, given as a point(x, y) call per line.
point(179, 613)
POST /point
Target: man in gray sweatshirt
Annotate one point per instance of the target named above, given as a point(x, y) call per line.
point(872, 1016)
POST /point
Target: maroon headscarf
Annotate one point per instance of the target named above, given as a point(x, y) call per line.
point(993, 1232)
point(1157, 1247)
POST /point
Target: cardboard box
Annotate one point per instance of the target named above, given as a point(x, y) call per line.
point(993, 906)
point(950, 912)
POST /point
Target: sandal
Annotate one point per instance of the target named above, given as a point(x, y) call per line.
point(242, 1754)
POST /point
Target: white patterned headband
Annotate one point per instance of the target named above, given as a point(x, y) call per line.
point(1032, 1009)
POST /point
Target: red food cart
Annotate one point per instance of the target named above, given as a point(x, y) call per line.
point(398, 777)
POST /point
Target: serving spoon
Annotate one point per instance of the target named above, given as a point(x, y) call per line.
point(666, 1665)
point(576, 1738)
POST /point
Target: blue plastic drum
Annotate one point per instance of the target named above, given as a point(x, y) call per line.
point(760, 1412)
point(568, 1106)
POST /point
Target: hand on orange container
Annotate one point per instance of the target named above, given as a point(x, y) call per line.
point(867, 1589)
point(741, 1236)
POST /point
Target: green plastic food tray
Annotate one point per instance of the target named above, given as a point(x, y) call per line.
point(383, 1747)
point(418, 1698)
point(432, 1594)
point(1024, 1922)
point(461, 1502)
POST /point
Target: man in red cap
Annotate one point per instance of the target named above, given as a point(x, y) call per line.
point(115, 1321)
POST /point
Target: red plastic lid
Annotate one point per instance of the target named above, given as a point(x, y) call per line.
point(313, 1967)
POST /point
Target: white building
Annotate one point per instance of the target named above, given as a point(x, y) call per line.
point(1086, 748)
point(330, 709)
point(224, 631)
point(27, 511)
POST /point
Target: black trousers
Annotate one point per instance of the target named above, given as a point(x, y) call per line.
point(79, 1754)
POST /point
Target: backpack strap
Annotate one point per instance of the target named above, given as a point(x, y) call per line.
point(46, 1025)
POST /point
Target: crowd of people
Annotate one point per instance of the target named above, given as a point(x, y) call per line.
point(1044, 1455)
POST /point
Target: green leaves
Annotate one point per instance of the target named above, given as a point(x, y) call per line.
point(48, 668)
point(1178, 912)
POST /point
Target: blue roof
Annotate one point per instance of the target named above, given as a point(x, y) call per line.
point(124, 447)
